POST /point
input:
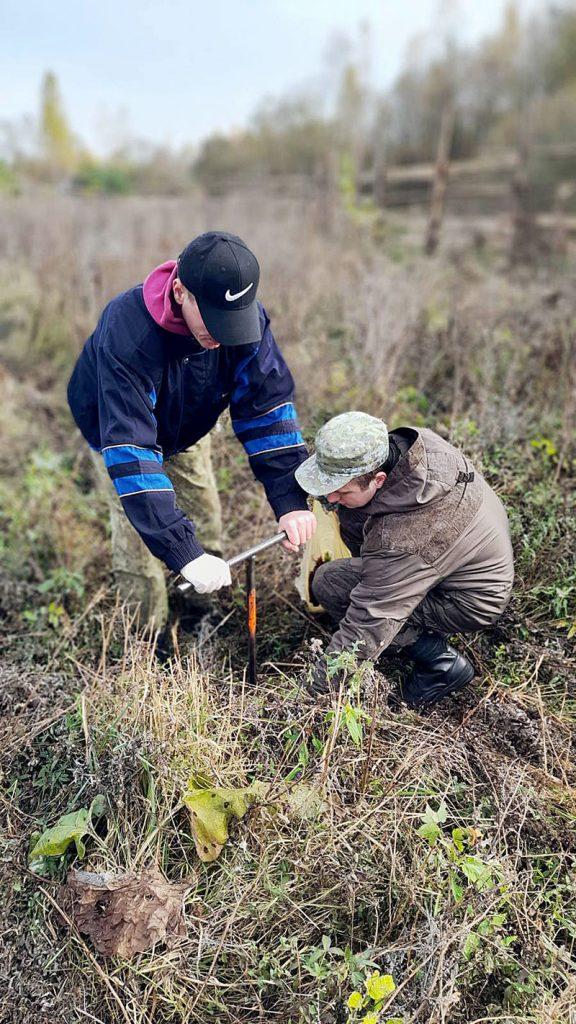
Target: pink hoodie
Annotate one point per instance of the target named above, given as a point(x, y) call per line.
point(158, 298)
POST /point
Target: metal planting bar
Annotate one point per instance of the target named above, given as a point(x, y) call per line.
point(249, 553)
point(251, 618)
point(249, 557)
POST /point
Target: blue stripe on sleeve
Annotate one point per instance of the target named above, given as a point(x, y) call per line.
point(265, 444)
point(119, 453)
point(283, 412)
point(242, 383)
point(142, 482)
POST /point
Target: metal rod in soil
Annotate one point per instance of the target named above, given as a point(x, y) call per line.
point(251, 617)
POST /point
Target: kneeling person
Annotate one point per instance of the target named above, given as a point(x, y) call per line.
point(430, 545)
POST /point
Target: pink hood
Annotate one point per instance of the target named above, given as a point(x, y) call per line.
point(157, 292)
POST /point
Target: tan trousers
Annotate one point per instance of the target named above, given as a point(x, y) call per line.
point(139, 576)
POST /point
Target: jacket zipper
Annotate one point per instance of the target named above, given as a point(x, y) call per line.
point(179, 431)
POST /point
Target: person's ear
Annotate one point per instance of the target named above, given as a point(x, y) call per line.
point(178, 290)
point(379, 479)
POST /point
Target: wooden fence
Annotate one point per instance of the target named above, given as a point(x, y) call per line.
point(479, 186)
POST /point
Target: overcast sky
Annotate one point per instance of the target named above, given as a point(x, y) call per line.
point(172, 71)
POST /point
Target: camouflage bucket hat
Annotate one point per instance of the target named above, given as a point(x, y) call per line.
point(347, 446)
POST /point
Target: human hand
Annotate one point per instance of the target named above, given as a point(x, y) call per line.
point(318, 680)
point(299, 525)
point(207, 573)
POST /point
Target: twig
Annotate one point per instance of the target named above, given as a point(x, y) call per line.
point(302, 614)
point(73, 628)
point(216, 628)
point(229, 924)
point(366, 768)
point(327, 754)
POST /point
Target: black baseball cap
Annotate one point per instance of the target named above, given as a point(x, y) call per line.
point(223, 274)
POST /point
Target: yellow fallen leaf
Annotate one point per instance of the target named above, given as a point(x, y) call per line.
point(211, 811)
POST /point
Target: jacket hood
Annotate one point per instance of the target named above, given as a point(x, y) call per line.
point(424, 474)
point(157, 293)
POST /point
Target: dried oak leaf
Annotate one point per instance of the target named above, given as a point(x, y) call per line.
point(128, 913)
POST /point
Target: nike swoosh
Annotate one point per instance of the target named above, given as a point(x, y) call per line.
point(232, 298)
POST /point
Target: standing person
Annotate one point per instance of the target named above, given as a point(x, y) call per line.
point(165, 360)
point(430, 546)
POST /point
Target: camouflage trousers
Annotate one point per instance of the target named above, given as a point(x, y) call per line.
point(439, 612)
point(140, 578)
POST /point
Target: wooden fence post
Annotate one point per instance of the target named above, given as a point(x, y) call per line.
point(326, 180)
point(379, 186)
point(440, 178)
point(527, 239)
point(565, 191)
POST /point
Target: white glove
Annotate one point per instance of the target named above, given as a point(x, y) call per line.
point(207, 573)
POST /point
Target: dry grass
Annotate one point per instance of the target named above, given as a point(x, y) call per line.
point(358, 872)
point(365, 321)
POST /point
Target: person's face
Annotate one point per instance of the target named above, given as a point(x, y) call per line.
point(352, 495)
point(192, 315)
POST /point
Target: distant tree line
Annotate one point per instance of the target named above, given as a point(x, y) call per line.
point(515, 88)
point(46, 151)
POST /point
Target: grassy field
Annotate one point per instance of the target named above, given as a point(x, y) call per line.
point(436, 848)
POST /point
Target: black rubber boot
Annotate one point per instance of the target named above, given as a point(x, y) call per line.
point(438, 671)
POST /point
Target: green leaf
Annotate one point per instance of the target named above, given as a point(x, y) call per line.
point(430, 832)
point(442, 813)
point(353, 721)
point(211, 811)
point(459, 837)
point(354, 1001)
point(98, 807)
point(303, 755)
point(70, 828)
point(546, 445)
point(431, 819)
point(456, 888)
point(379, 986)
point(471, 945)
point(477, 873)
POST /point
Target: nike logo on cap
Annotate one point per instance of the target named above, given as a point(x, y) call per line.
point(232, 298)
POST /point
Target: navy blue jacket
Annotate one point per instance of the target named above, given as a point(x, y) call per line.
point(140, 393)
